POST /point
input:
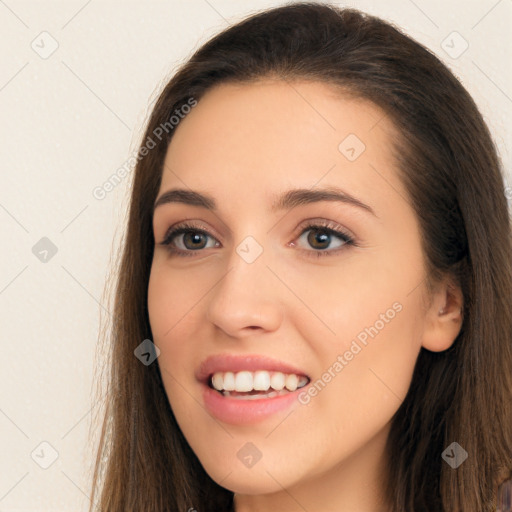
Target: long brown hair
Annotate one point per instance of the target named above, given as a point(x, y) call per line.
point(449, 164)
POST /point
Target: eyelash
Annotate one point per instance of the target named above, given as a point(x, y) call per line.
point(323, 226)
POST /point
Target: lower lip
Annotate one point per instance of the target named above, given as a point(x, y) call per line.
point(242, 412)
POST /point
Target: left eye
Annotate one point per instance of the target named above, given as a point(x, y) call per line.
point(193, 239)
point(190, 235)
point(320, 237)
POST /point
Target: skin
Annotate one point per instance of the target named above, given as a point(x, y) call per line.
point(243, 144)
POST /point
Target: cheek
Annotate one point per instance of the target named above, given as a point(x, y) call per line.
point(367, 350)
point(337, 301)
point(172, 297)
point(378, 336)
point(175, 314)
point(168, 319)
point(355, 399)
point(377, 361)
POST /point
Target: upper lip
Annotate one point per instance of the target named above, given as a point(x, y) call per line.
point(235, 363)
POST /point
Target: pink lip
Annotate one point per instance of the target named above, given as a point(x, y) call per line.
point(239, 412)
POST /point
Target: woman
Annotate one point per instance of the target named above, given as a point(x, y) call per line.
point(370, 373)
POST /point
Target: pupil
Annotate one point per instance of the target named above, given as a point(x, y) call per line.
point(195, 237)
point(320, 237)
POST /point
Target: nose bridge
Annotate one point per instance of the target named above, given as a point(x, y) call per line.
point(245, 296)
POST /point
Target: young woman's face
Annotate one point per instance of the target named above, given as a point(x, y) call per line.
point(251, 277)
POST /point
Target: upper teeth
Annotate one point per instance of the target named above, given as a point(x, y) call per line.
point(260, 381)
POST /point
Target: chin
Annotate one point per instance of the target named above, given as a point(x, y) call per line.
point(250, 485)
point(258, 479)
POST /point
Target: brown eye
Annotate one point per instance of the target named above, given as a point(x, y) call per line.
point(320, 235)
point(187, 239)
point(319, 239)
point(196, 240)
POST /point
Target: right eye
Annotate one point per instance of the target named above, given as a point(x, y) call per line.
point(192, 239)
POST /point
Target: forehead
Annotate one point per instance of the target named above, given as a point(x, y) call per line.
point(267, 136)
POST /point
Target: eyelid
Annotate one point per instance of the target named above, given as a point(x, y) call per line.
point(328, 225)
point(188, 224)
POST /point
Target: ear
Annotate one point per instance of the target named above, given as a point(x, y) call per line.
point(444, 317)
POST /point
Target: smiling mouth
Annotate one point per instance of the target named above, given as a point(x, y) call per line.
point(261, 384)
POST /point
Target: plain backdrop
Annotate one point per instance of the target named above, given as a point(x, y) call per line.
point(77, 79)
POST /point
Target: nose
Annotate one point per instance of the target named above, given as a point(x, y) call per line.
point(246, 298)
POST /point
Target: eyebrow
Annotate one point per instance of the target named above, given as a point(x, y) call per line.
point(290, 199)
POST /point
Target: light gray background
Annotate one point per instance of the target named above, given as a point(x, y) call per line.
point(68, 121)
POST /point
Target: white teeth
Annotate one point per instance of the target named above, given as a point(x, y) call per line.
point(218, 381)
point(243, 381)
point(278, 380)
point(228, 381)
point(261, 380)
point(292, 382)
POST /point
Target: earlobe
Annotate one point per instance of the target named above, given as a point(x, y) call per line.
point(444, 318)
